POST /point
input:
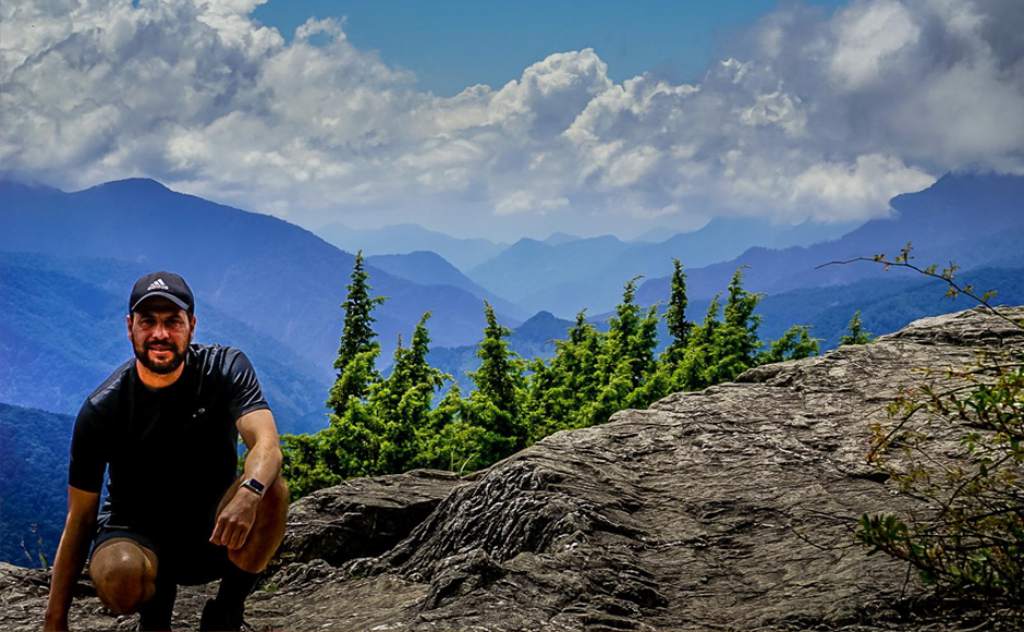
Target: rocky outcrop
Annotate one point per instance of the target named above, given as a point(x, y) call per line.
point(361, 517)
point(730, 508)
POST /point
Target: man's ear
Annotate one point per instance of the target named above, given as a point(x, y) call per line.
point(128, 324)
point(192, 319)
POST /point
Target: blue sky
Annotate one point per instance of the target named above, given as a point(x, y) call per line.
point(508, 119)
point(453, 44)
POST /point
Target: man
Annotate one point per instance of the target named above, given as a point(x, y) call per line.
point(167, 424)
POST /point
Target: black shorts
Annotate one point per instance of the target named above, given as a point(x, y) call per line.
point(184, 561)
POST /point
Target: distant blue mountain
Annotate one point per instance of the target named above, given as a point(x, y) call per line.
point(406, 238)
point(556, 239)
point(887, 304)
point(725, 237)
point(566, 275)
point(430, 268)
point(271, 275)
point(530, 268)
point(62, 332)
point(975, 220)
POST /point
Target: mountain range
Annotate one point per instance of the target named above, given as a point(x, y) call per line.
point(973, 220)
point(407, 238)
point(564, 275)
point(275, 289)
point(280, 279)
point(429, 268)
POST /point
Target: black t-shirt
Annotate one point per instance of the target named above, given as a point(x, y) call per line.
point(172, 452)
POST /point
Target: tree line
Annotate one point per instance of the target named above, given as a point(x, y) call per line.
point(389, 424)
point(969, 543)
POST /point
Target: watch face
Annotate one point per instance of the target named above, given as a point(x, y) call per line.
point(254, 484)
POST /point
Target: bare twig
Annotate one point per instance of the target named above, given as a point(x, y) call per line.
point(947, 275)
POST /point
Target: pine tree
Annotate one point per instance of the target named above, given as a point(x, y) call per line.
point(855, 333)
point(735, 344)
point(350, 444)
point(450, 441)
point(666, 376)
point(632, 337)
point(675, 315)
point(357, 337)
point(304, 466)
point(643, 361)
point(577, 361)
point(695, 370)
point(401, 403)
point(495, 404)
point(547, 401)
point(581, 358)
point(795, 343)
point(626, 358)
point(558, 392)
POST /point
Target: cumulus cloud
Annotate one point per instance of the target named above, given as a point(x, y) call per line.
point(867, 40)
point(815, 116)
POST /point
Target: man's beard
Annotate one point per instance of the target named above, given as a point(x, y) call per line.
point(165, 367)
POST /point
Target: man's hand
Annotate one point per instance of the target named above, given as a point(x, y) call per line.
point(236, 519)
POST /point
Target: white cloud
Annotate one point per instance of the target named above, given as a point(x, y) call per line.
point(524, 201)
point(814, 116)
point(868, 36)
point(776, 108)
point(870, 182)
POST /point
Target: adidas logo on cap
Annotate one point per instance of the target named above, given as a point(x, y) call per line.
point(157, 285)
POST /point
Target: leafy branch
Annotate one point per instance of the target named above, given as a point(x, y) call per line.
point(970, 537)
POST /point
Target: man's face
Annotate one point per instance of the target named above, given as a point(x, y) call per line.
point(160, 333)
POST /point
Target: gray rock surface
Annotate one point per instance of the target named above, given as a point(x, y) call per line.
point(361, 517)
point(731, 508)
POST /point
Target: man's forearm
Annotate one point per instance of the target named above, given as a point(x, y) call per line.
point(67, 566)
point(263, 462)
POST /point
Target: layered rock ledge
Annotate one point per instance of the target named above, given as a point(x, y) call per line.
point(731, 508)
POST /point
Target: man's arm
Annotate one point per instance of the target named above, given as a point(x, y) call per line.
point(259, 432)
point(67, 565)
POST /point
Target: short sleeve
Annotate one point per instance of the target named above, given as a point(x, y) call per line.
point(244, 392)
point(88, 455)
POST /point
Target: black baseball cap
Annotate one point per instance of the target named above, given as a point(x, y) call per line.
point(167, 285)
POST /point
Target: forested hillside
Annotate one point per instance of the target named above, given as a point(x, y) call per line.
point(33, 478)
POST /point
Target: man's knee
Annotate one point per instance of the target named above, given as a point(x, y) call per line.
point(273, 508)
point(267, 532)
point(124, 575)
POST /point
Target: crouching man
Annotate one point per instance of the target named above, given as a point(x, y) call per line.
point(166, 424)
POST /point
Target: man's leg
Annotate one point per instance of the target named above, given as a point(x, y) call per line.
point(156, 613)
point(124, 572)
point(268, 530)
point(246, 563)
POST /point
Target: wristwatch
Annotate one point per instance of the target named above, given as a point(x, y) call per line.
point(255, 486)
